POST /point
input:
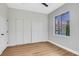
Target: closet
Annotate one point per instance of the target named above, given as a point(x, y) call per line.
point(27, 27)
point(30, 30)
point(23, 30)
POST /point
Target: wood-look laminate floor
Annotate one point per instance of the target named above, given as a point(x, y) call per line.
point(36, 49)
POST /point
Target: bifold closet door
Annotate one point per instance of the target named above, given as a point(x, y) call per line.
point(39, 29)
point(27, 30)
point(3, 34)
point(30, 30)
point(19, 31)
point(23, 31)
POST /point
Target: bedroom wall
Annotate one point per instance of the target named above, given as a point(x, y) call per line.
point(28, 16)
point(3, 10)
point(71, 42)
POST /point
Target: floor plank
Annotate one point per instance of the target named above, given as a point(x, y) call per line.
point(36, 49)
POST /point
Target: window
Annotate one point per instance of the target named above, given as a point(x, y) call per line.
point(62, 24)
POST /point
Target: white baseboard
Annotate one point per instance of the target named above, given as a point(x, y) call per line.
point(10, 45)
point(40, 41)
point(63, 47)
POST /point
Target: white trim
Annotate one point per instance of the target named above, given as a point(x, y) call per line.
point(61, 46)
point(10, 45)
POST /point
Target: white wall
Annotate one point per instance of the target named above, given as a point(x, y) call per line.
point(3, 10)
point(30, 19)
point(72, 41)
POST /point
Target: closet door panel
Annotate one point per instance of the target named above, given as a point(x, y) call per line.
point(39, 29)
point(37, 32)
point(27, 31)
point(19, 31)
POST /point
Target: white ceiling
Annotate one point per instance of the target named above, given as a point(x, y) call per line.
point(36, 7)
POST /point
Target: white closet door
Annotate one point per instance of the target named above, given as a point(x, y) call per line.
point(3, 34)
point(38, 30)
point(27, 31)
point(19, 31)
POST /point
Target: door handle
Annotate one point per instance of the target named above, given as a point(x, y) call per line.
point(2, 34)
